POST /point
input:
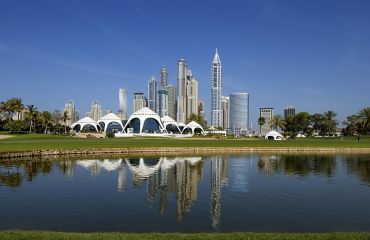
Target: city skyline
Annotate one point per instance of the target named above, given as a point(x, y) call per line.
point(280, 53)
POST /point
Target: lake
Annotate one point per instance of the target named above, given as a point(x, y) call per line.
point(250, 192)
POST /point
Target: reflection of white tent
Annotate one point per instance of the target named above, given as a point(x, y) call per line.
point(110, 123)
point(143, 170)
point(193, 127)
point(109, 165)
point(145, 121)
point(85, 124)
point(170, 125)
point(273, 135)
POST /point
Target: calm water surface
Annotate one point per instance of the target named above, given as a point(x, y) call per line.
point(253, 192)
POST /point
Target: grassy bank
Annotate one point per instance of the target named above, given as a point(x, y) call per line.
point(41, 235)
point(47, 142)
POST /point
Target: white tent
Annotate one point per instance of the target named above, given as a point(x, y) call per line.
point(170, 125)
point(110, 123)
point(145, 121)
point(273, 135)
point(300, 135)
point(85, 124)
point(193, 127)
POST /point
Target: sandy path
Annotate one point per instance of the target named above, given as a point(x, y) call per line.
point(5, 136)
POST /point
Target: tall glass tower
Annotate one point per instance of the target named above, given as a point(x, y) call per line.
point(216, 91)
point(164, 77)
point(152, 94)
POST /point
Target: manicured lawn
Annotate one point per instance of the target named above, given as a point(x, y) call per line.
point(39, 235)
point(41, 141)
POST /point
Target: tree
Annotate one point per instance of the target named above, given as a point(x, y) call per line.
point(65, 117)
point(330, 121)
point(364, 120)
point(16, 126)
point(317, 121)
point(31, 115)
point(302, 121)
point(46, 118)
point(197, 118)
point(261, 121)
point(277, 122)
point(11, 106)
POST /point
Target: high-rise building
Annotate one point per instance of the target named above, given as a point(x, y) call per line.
point(192, 96)
point(96, 111)
point(152, 94)
point(239, 111)
point(69, 107)
point(225, 106)
point(122, 111)
point(181, 90)
point(216, 91)
point(139, 101)
point(201, 109)
point(162, 103)
point(164, 77)
point(289, 111)
point(267, 114)
point(172, 108)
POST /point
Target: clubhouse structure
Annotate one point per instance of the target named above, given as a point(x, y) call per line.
point(143, 122)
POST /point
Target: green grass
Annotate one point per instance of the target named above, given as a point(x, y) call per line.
point(47, 142)
point(42, 235)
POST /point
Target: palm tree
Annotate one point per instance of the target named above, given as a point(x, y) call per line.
point(363, 119)
point(31, 115)
point(65, 117)
point(261, 121)
point(11, 106)
point(277, 122)
point(330, 121)
point(46, 119)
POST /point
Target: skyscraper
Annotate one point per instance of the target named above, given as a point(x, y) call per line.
point(216, 91)
point(139, 101)
point(289, 111)
point(239, 111)
point(181, 90)
point(201, 109)
point(267, 114)
point(96, 111)
point(172, 108)
point(225, 106)
point(164, 77)
point(191, 95)
point(162, 103)
point(152, 94)
point(122, 95)
point(69, 107)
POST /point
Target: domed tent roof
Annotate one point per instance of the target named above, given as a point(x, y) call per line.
point(108, 121)
point(85, 123)
point(193, 126)
point(86, 120)
point(109, 116)
point(273, 135)
point(149, 121)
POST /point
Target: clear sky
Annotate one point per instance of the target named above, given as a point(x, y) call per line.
point(313, 54)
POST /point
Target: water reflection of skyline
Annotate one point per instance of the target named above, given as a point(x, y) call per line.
point(179, 177)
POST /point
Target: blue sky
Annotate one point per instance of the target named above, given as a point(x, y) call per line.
point(313, 54)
